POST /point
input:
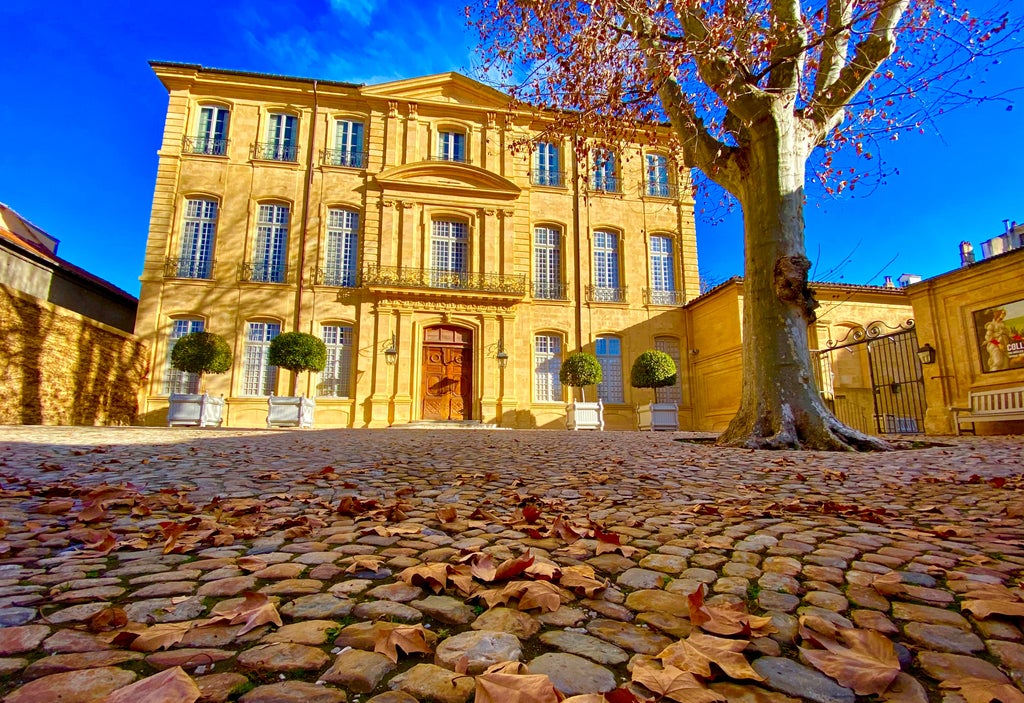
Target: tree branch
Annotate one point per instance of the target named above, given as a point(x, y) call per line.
point(836, 38)
point(788, 54)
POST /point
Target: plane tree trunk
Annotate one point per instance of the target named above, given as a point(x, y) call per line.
point(780, 406)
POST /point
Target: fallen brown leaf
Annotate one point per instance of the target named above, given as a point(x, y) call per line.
point(731, 619)
point(170, 686)
point(984, 608)
point(255, 609)
point(160, 636)
point(672, 682)
point(698, 651)
point(863, 660)
point(984, 690)
point(515, 688)
point(408, 638)
point(107, 619)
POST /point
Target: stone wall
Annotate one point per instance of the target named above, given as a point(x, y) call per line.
point(60, 368)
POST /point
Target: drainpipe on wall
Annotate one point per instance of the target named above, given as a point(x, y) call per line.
point(305, 212)
point(579, 247)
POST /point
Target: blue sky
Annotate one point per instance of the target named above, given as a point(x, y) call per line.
point(82, 115)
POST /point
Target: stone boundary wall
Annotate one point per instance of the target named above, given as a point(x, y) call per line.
point(60, 368)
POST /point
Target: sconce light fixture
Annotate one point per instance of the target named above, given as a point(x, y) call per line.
point(926, 354)
point(391, 353)
point(694, 352)
point(502, 355)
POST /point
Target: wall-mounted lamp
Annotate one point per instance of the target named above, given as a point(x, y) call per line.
point(391, 353)
point(926, 354)
point(694, 352)
point(502, 355)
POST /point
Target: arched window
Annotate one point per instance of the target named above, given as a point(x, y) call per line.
point(197, 236)
point(336, 378)
point(258, 376)
point(609, 353)
point(176, 381)
point(342, 248)
point(673, 393)
point(547, 363)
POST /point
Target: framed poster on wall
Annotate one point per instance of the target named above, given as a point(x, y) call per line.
point(1000, 336)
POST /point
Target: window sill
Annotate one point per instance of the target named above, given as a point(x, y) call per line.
point(294, 165)
point(342, 167)
point(203, 156)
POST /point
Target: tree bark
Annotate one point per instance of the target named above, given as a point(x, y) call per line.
point(780, 407)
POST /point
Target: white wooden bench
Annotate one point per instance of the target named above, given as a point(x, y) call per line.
point(990, 406)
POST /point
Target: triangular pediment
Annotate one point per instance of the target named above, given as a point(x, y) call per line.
point(448, 177)
point(449, 88)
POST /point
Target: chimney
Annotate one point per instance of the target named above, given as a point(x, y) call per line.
point(1008, 227)
point(889, 283)
point(966, 254)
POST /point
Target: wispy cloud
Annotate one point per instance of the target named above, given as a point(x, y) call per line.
point(361, 11)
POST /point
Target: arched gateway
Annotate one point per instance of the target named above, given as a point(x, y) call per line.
point(447, 373)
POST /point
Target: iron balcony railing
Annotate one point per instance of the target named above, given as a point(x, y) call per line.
point(550, 291)
point(189, 268)
point(205, 145)
point(654, 189)
point(343, 157)
point(335, 277)
point(605, 185)
point(275, 151)
point(547, 177)
point(396, 277)
point(601, 294)
point(262, 272)
point(455, 158)
point(663, 297)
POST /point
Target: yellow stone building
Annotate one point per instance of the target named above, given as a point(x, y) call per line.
point(396, 222)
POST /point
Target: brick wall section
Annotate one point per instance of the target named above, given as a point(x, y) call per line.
point(60, 368)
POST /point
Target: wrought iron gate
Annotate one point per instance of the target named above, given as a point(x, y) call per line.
point(872, 380)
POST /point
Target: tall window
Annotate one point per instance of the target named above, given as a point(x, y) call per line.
point(259, 377)
point(547, 170)
point(606, 267)
point(657, 176)
point(212, 135)
point(271, 244)
point(663, 277)
point(342, 241)
point(348, 144)
point(282, 137)
point(448, 254)
point(673, 393)
point(176, 381)
point(547, 263)
point(609, 354)
point(335, 379)
point(451, 146)
point(547, 363)
point(197, 239)
point(604, 176)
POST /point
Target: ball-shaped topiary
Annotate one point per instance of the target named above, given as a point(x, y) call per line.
point(201, 353)
point(297, 351)
point(653, 369)
point(580, 369)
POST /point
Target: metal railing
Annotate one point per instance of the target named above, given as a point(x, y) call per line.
point(275, 151)
point(402, 277)
point(204, 145)
point(262, 272)
point(663, 297)
point(605, 185)
point(189, 268)
point(454, 158)
point(654, 189)
point(550, 291)
point(335, 277)
point(343, 157)
point(547, 177)
point(600, 294)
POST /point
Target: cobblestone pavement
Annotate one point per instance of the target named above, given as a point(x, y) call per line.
point(130, 551)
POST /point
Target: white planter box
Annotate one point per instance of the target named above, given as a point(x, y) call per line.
point(193, 410)
point(290, 411)
point(584, 416)
point(658, 416)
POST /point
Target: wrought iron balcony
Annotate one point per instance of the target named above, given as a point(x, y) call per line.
point(454, 158)
point(601, 294)
point(204, 145)
point(655, 189)
point(547, 177)
point(550, 291)
point(262, 272)
point(343, 157)
point(189, 268)
point(663, 297)
point(605, 185)
point(335, 277)
point(275, 151)
point(395, 277)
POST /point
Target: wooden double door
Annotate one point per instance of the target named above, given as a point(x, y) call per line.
point(447, 373)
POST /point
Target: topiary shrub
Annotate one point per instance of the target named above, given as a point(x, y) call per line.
point(297, 352)
point(653, 369)
point(580, 369)
point(201, 353)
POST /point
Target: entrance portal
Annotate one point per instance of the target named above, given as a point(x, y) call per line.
point(447, 373)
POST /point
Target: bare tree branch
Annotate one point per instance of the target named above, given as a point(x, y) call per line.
point(790, 40)
point(836, 38)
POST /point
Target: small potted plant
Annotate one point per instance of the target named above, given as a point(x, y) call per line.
point(199, 353)
point(655, 369)
point(297, 352)
point(582, 369)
